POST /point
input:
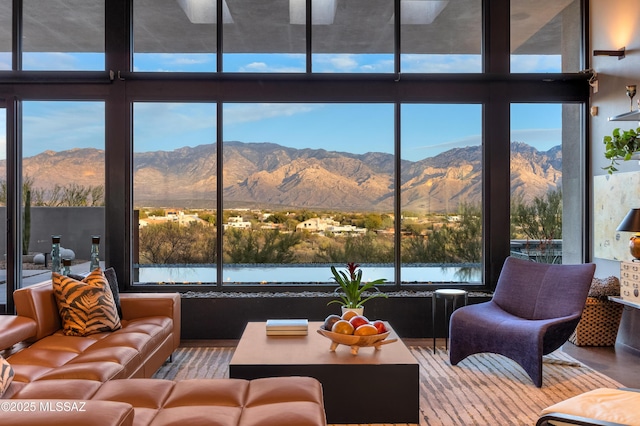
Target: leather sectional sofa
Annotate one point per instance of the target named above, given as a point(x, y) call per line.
point(150, 333)
point(104, 378)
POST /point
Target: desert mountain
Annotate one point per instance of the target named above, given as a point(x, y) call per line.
point(271, 175)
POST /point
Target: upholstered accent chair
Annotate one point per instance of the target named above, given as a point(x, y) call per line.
point(533, 311)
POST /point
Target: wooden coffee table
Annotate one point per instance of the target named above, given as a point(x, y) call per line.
point(374, 386)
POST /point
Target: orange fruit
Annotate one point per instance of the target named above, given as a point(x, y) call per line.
point(342, 327)
point(365, 330)
point(348, 315)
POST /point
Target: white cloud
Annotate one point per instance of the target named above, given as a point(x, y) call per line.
point(536, 63)
point(246, 113)
point(414, 63)
point(264, 67)
point(51, 61)
point(540, 139)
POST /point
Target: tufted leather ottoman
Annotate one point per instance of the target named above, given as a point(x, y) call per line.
point(277, 401)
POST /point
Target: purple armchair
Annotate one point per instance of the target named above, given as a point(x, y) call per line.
point(534, 310)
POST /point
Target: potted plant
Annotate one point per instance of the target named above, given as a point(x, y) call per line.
point(351, 289)
point(621, 146)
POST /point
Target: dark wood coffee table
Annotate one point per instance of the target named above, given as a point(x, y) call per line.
point(374, 386)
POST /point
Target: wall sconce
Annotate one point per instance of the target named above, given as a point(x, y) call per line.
point(619, 53)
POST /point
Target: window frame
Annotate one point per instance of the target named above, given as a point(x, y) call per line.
point(119, 87)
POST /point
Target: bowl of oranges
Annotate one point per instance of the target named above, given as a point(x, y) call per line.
point(355, 331)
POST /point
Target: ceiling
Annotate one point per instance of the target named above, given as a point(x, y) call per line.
point(262, 26)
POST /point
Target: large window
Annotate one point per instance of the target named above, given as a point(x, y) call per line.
point(175, 172)
point(541, 137)
point(174, 35)
point(264, 36)
point(545, 36)
point(63, 35)
point(441, 194)
point(441, 36)
point(63, 183)
point(307, 185)
point(352, 36)
point(261, 142)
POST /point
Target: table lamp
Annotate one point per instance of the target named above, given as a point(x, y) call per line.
point(631, 223)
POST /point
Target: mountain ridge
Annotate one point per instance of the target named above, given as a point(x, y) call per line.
point(268, 174)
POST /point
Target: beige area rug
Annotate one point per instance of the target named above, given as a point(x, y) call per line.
point(484, 389)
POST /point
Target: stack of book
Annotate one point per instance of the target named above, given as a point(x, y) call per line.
point(287, 327)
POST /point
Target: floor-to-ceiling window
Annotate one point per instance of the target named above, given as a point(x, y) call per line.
point(441, 195)
point(263, 133)
point(63, 180)
point(307, 186)
point(174, 186)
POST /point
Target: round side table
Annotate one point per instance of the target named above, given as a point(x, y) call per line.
point(449, 295)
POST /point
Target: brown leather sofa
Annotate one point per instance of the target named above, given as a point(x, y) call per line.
point(103, 379)
point(150, 333)
point(276, 401)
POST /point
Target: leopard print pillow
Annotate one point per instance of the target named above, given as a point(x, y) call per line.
point(87, 306)
point(603, 287)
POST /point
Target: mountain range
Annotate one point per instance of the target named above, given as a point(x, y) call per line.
point(268, 175)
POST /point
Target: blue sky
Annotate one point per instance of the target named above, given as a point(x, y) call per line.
point(426, 129)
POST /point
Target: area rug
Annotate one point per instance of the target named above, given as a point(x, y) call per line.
point(483, 389)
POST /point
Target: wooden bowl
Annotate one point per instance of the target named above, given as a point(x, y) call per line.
point(355, 342)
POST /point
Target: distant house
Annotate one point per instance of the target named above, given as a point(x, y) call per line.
point(320, 225)
point(237, 222)
point(316, 224)
point(176, 216)
point(346, 230)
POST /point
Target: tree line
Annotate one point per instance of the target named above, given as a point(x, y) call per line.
point(458, 241)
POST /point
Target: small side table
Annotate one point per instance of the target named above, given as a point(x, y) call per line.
point(448, 294)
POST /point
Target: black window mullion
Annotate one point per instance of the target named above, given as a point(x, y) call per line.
point(16, 31)
point(496, 36)
point(118, 155)
point(219, 36)
point(309, 40)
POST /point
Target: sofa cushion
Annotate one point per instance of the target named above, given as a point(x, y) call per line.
point(110, 274)
point(6, 375)
point(86, 307)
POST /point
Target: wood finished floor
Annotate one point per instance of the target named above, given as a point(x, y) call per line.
point(620, 364)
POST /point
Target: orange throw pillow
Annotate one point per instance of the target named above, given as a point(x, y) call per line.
point(86, 307)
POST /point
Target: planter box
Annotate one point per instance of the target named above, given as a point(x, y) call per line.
point(222, 317)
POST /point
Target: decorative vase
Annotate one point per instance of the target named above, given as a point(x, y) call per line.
point(56, 265)
point(359, 311)
point(66, 266)
point(95, 255)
